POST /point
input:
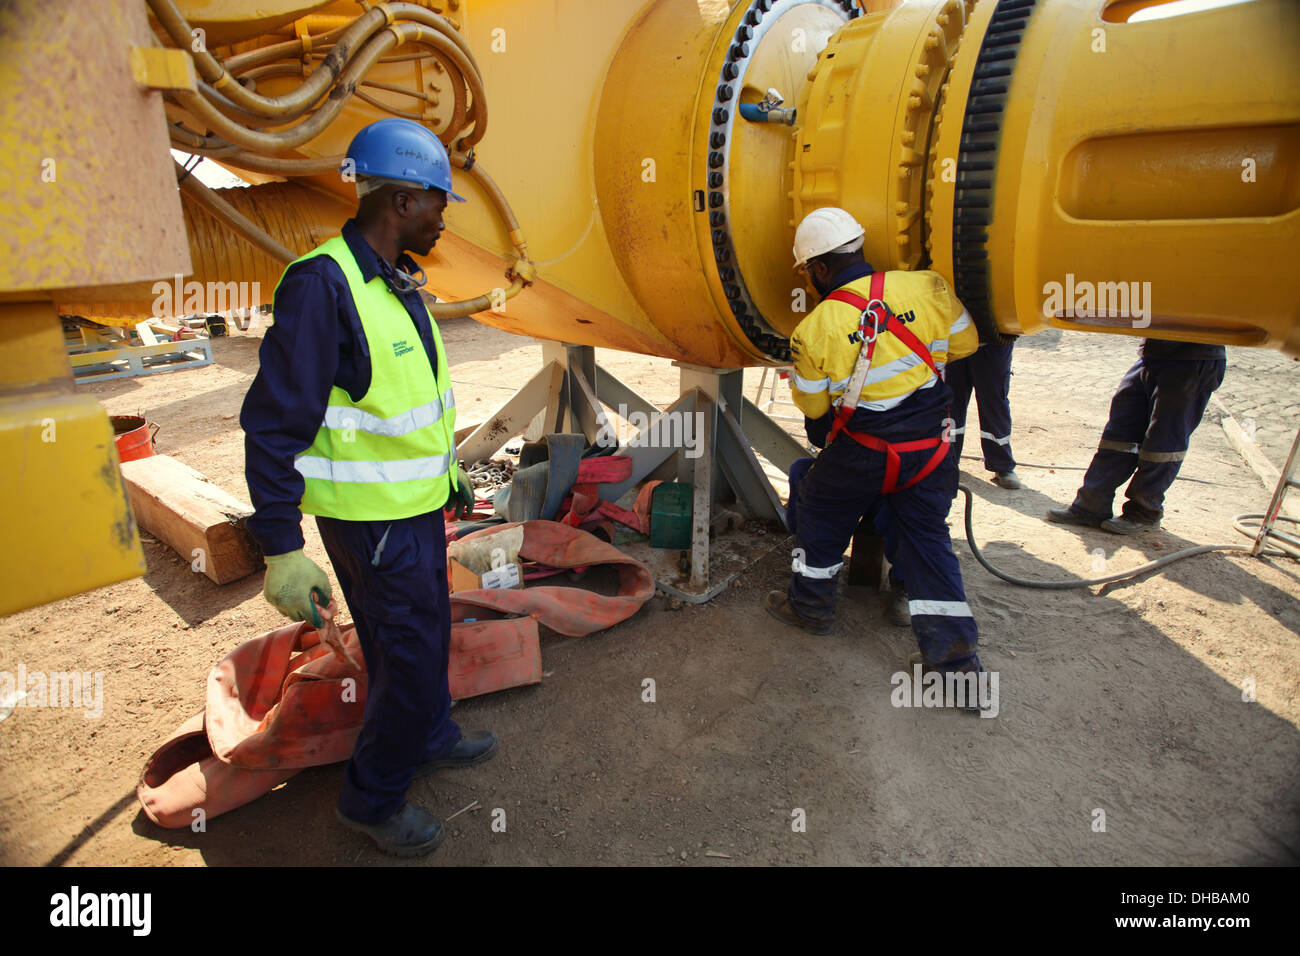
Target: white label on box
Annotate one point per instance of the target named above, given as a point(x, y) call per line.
point(506, 576)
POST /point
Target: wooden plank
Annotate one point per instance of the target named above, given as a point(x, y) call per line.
point(198, 520)
point(1252, 454)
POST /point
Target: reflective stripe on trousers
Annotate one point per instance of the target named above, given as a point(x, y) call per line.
point(842, 485)
point(1158, 405)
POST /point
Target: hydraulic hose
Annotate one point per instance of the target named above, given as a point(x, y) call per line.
point(285, 107)
point(521, 273)
point(299, 100)
point(1119, 575)
point(231, 131)
point(257, 163)
point(482, 303)
point(232, 217)
point(234, 115)
point(240, 63)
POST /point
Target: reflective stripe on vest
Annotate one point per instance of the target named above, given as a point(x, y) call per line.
point(370, 472)
point(390, 454)
point(422, 416)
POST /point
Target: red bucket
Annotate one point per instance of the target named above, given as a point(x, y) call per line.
point(134, 436)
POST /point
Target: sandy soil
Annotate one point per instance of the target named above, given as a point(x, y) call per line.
point(1126, 699)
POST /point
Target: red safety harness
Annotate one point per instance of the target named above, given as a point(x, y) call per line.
point(871, 325)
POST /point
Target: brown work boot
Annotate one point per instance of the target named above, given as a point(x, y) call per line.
point(778, 605)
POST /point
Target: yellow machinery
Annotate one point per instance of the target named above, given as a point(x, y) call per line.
point(644, 166)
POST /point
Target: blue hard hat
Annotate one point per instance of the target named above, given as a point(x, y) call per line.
point(402, 149)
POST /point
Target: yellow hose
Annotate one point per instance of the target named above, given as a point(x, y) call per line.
point(522, 271)
point(483, 303)
point(232, 217)
point(437, 32)
point(228, 110)
point(290, 105)
point(231, 131)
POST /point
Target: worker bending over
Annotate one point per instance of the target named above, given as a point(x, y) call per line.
point(1159, 404)
point(351, 418)
point(868, 374)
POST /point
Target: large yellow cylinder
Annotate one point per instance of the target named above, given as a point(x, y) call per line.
point(1078, 172)
point(1031, 150)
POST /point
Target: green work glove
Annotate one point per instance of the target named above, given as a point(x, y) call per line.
point(290, 580)
point(463, 496)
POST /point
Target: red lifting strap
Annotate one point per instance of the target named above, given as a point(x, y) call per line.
point(905, 335)
point(891, 324)
point(893, 462)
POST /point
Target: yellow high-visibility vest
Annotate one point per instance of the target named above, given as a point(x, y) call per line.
point(391, 454)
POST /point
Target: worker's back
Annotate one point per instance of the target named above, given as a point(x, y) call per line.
point(900, 388)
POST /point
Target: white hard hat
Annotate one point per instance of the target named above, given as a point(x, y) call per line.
point(829, 229)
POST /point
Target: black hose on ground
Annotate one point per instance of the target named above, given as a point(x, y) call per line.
point(1119, 575)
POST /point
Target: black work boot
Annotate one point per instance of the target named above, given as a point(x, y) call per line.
point(474, 747)
point(1070, 516)
point(1008, 479)
point(968, 707)
point(1124, 525)
point(408, 832)
point(778, 605)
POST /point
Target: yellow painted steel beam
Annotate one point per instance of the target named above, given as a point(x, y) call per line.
point(88, 206)
point(68, 526)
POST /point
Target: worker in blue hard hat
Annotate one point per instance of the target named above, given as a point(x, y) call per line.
point(868, 376)
point(351, 418)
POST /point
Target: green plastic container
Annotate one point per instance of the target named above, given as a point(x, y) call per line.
point(670, 515)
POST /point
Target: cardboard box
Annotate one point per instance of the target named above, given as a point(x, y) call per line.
point(461, 578)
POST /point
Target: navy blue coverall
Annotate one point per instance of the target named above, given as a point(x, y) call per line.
point(393, 573)
point(845, 482)
point(1159, 404)
point(988, 374)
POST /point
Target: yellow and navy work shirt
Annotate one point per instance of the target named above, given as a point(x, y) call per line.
point(825, 345)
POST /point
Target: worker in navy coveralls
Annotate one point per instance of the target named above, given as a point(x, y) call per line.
point(1159, 404)
point(884, 446)
point(987, 373)
point(351, 418)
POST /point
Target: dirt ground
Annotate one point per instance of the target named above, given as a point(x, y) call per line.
point(1126, 700)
